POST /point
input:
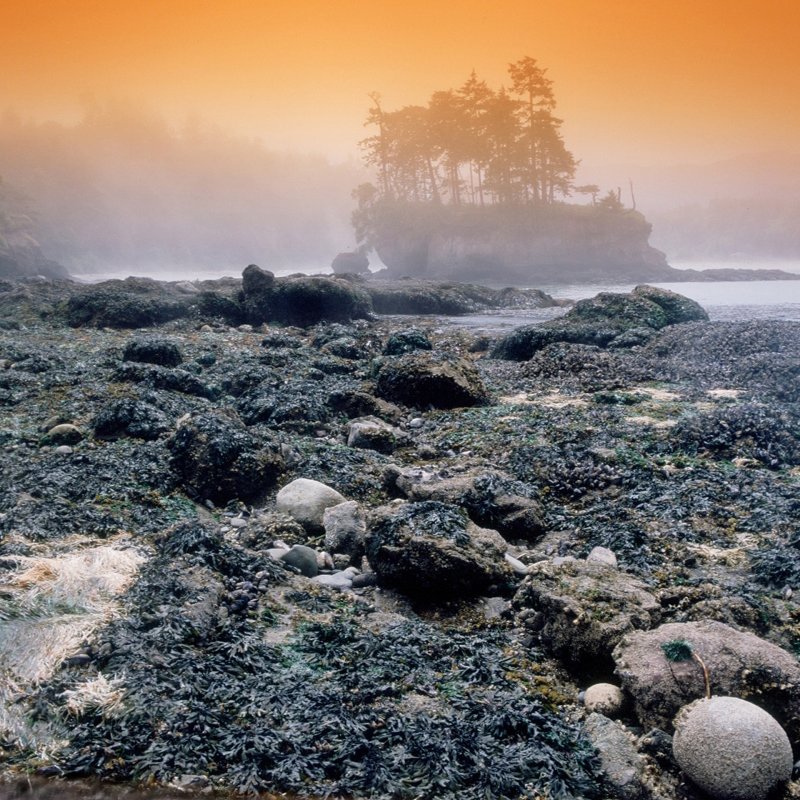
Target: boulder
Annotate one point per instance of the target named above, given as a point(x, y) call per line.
point(621, 764)
point(740, 664)
point(491, 499)
point(256, 298)
point(422, 381)
point(129, 303)
point(154, 350)
point(581, 609)
point(302, 558)
point(732, 749)
point(604, 698)
point(406, 342)
point(432, 550)
point(305, 500)
point(304, 301)
point(345, 530)
point(65, 433)
point(348, 262)
point(371, 433)
point(603, 321)
point(130, 417)
point(217, 458)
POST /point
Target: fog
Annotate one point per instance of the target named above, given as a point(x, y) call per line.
point(122, 192)
point(744, 209)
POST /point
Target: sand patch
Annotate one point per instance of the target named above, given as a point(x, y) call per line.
point(724, 394)
point(651, 421)
point(659, 395)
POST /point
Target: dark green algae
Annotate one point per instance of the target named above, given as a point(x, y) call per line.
point(427, 707)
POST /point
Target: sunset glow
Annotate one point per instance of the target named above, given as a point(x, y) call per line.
point(656, 82)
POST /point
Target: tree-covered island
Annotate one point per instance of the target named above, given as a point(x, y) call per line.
point(476, 184)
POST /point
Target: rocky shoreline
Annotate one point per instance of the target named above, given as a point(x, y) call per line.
point(255, 538)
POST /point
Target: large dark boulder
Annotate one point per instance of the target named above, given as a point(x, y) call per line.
point(353, 263)
point(432, 550)
point(606, 320)
point(217, 458)
point(130, 417)
point(300, 301)
point(130, 303)
point(422, 381)
point(155, 350)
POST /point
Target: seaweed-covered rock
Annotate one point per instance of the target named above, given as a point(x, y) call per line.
point(132, 303)
point(743, 430)
point(217, 458)
point(155, 350)
point(422, 381)
point(406, 342)
point(732, 749)
point(306, 301)
point(603, 320)
point(173, 380)
point(358, 403)
point(432, 550)
point(130, 417)
point(740, 664)
point(64, 433)
point(256, 298)
point(371, 433)
point(581, 609)
point(306, 500)
point(491, 499)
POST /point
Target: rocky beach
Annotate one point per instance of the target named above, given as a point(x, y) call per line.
point(295, 537)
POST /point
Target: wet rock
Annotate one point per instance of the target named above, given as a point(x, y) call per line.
point(581, 609)
point(406, 342)
point(132, 303)
point(217, 458)
point(601, 321)
point(432, 550)
point(65, 433)
point(306, 500)
point(491, 499)
point(345, 529)
point(621, 764)
point(732, 749)
point(153, 351)
point(307, 301)
point(130, 417)
point(173, 380)
point(339, 580)
point(357, 403)
point(602, 555)
point(350, 262)
point(740, 664)
point(421, 381)
point(302, 558)
point(604, 698)
point(371, 433)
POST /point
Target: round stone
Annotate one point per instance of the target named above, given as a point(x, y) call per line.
point(604, 698)
point(731, 749)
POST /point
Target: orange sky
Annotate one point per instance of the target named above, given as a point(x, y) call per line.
point(637, 81)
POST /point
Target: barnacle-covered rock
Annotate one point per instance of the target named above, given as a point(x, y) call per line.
point(581, 609)
point(422, 381)
point(431, 550)
point(217, 458)
point(739, 663)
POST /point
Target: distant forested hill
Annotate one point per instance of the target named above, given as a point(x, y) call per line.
point(122, 189)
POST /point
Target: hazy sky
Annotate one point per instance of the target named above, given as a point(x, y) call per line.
point(637, 81)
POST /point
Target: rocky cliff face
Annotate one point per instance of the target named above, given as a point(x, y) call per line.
point(563, 243)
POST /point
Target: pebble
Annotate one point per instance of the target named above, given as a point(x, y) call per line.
point(516, 564)
point(64, 449)
point(417, 422)
point(604, 698)
point(602, 555)
point(339, 580)
point(238, 522)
